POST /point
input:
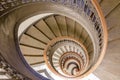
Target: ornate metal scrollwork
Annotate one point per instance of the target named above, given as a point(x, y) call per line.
point(14, 74)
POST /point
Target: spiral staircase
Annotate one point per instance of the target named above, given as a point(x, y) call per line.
point(59, 40)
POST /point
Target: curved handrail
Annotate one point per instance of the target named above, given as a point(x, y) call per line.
point(58, 41)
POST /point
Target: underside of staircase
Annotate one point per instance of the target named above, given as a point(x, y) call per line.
point(34, 40)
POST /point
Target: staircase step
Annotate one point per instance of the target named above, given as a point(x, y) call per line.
point(78, 31)
point(30, 41)
point(33, 31)
point(62, 24)
point(70, 27)
point(51, 22)
point(108, 5)
point(34, 60)
point(44, 27)
point(30, 51)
